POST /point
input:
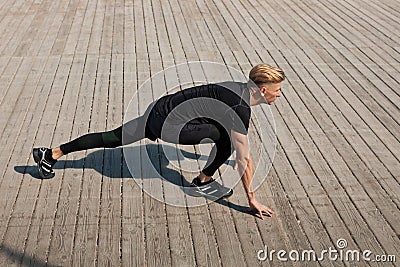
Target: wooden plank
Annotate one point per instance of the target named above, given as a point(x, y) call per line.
point(86, 29)
point(179, 232)
point(246, 27)
point(85, 239)
point(107, 29)
point(110, 211)
point(97, 28)
point(5, 23)
point(253, 233)
point(163, 23)
point(209, 24)
point(242, 232)
point(344, 33)
point(118, 31)
point(7, 79)
point(371, 79)
point(142, 74)
point(63, 232)
point(4, 62)
point(384, 61)
point(42, 220)
point(129, 28)
point(287, 221)
point(382, 110)
point(64, 30)
point(15, 89)
point(155, 223)
point(133, 242)
point(203, 39)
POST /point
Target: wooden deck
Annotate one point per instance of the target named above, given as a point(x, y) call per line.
point(70, 67)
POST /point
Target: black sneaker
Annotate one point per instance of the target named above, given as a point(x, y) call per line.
point(43, 158)
point(210, 189)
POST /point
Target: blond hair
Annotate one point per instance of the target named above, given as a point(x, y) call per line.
point(263, 73)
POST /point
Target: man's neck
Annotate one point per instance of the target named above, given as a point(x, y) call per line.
point(253, 100)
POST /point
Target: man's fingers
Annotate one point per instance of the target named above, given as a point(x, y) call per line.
point(271, 212)
point(268, 212)
point(260, 212)
point(257, 211)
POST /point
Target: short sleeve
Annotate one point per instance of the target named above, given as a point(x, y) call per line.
point(241, 119)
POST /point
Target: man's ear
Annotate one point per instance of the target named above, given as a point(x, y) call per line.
point(262, 90)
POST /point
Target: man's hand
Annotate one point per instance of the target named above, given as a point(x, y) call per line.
point(260, 208)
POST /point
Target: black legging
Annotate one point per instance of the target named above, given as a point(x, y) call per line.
point(192, 133)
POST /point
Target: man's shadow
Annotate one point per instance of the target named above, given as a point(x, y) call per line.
point(112, 163)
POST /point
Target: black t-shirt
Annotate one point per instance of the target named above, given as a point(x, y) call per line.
point(227, 103)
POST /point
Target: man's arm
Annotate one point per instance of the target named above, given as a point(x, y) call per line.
point(244, 165)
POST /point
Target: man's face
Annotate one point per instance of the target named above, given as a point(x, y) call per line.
point(271, 92)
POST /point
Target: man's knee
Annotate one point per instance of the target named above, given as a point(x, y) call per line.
point(112, 138)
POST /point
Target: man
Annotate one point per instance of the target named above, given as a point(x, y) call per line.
point(216, 112)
